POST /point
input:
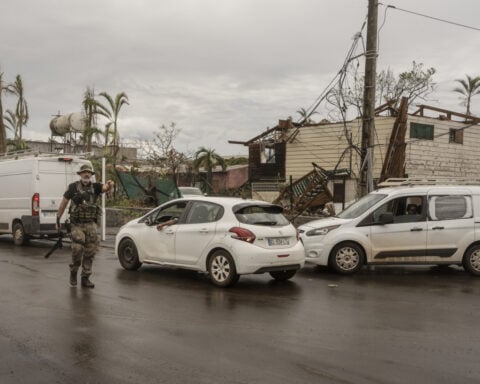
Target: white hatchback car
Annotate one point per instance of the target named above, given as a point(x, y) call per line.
point(416, 224)
point(226, 237)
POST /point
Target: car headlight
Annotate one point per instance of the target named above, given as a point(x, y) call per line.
point(321, 231)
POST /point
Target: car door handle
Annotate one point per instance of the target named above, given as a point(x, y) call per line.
point(169, 232)
point(434, 228)
point(416, 229)
point(203, 230)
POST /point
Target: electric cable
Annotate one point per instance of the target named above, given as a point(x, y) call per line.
point(434, 18)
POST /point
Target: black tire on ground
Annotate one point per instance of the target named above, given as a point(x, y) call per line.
point(19, 235)
point(283, 275)
point(222, 270)
point(471, 260)
point(128, 255)
point(347, 258)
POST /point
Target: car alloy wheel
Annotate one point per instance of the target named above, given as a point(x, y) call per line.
point(347, 258)
point(222, 269)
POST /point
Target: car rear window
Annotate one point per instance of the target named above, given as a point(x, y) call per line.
point(270, 215)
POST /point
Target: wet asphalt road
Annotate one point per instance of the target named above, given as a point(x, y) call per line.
point(385, 325)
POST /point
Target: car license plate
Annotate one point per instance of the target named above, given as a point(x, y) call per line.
point(49, 213)
point(278, 241)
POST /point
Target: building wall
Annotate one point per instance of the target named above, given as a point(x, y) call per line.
point(229, 179)
point(438, 157)
point(325, 144)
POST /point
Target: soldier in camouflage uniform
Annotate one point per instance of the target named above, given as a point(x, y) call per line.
point(84, 215)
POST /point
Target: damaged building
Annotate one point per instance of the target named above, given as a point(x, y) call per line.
point(429, 142)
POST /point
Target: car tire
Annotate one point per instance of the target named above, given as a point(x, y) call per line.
point(471, 260)
point(222, 270)
point(128, 255)
point(19, 235)
point(283, 275)
point(347, 258)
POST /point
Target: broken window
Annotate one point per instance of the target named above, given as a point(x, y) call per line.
point(421, 131)
point(267, 155)
point(455, 136)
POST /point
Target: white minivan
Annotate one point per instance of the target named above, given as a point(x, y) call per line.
point(31, 187)
point(412, 224)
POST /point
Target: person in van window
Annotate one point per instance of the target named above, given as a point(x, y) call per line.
point(412, 209)
point(84, 215)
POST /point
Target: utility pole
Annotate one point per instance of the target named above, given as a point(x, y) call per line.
point(368, 118)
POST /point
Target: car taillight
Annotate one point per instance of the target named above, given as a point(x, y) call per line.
point(35, 204)
point(242, 234)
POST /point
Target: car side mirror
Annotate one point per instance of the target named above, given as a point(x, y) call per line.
point(149, 221)
point(386, 218)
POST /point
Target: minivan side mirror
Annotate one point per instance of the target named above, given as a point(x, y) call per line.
point(386, 218)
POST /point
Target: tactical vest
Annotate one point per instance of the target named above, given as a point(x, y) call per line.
point(83, 206)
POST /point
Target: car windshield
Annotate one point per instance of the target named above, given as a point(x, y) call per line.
point(270, 215)
point(190, 191)
point(361, 206)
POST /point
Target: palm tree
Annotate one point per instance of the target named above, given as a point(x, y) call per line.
point(21, 109)
point(208, 159)
point(111, 113)
point(468, 89)
point(89, 105)
point(11, 123)
point(3, 133)
point(305, 116)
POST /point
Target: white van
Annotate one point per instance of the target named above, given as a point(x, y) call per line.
point(31, 187)
point(415, 224)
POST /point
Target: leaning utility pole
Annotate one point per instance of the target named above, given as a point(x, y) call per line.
point(368, 118)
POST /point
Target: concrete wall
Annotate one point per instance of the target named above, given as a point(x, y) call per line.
point(234, 177)
point(439, 157)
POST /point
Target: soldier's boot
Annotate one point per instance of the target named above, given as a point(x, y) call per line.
point(73, 278)
point(86, 283)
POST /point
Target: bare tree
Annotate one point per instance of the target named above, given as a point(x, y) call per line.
point(163, 152)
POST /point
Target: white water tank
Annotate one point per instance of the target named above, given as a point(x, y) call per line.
point(73, 122)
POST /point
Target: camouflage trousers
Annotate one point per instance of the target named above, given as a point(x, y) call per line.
point(84, 247)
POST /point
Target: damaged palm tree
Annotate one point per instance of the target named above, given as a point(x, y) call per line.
point(309, 193)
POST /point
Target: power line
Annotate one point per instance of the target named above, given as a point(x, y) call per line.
point(433, 18)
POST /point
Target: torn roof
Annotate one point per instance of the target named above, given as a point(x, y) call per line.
point(286, 130)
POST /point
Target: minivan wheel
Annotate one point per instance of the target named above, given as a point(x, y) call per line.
point(347, 258)
point(471, 260)
point(283, 275)
point(19, 235)
point(128, 255)
point(221, 269)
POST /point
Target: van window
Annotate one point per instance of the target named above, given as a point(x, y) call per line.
point(361, 206)
point(405, 209)
point(449, 207)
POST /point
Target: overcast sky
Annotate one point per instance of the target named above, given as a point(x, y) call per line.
point(220, 69)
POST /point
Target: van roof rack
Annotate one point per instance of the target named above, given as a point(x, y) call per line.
point(398, 181)
point(29, 153)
